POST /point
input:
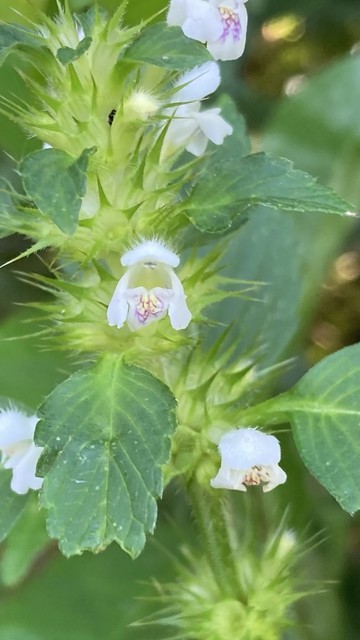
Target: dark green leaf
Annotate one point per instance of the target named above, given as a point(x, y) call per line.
point(12, 504)
point(13, 36)
point(107, 432)
point(66, 54)
point(167, 47)
point(7, 207)
point(228, 188)
point(56, 182)
point(24, 544)
point(325, 416)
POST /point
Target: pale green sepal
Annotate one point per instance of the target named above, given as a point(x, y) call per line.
point(56, 183)
point(106, 432)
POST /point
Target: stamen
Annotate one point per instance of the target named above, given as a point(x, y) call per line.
point(149, 305)
point(256, 475)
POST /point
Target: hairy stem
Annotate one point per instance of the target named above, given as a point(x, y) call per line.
point(214, 521)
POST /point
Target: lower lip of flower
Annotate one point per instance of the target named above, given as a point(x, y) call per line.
point(231, 23)
point(149, 305)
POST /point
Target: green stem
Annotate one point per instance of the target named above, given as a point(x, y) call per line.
point(218, 539)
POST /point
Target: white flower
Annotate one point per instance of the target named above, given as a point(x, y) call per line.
point(248, 457)
point(19, 452)
point(149, 289)
point(189, 127)
point(221, 24)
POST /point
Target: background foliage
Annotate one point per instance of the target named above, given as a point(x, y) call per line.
point(301, 61)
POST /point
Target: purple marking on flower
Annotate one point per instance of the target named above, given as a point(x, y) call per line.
point(231, 24)
point(148, 305)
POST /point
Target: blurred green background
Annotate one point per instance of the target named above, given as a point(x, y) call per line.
point(298, 86)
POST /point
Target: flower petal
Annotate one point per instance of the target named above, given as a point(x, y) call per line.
point(179, 313)
point(198, 143)
point(118, 308)
point(24, 477)
point(150, 250)
point(177, 13)
point(15, 427)
point(232, 44)
point(226, 478)
point(245, 448)
point(197, 18)
point(214, 127)
point(277, 476)
point(197, 83)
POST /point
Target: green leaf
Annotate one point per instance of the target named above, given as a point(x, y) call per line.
point(65, 55)
point(7, 207)
point(12, 36)
point(167, 47)
point(229, 188)
point(56, 183)
point(325, 416)
point(24, 544)
point(12, 504)
point(107, 432)
point(324, 411)
point(236, 145)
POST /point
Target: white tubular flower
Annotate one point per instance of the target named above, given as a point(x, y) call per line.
point(221, 24)
point(248, 457)
point(149, 289)
point(18, 450)
point(190, 127)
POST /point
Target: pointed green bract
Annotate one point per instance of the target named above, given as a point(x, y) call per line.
point(229, 187)
point(56, 183)
point(106, 433)
point(167, 47)
point(12, 504)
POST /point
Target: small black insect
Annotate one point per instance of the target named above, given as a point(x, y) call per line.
point(111, 116)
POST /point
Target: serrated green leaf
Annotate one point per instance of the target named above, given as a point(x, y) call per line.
point(65, 55)
point(167, 47)
point(12, 504)
point(106, 432)
point(13, 36)
point(229, 188)
point(56, 183)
